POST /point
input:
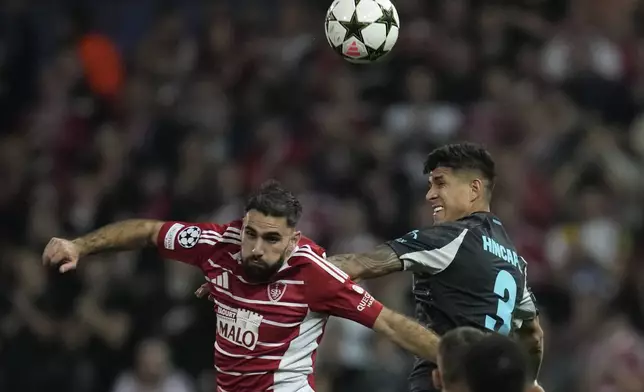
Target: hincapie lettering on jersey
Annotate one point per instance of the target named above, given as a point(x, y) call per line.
point(238, 326)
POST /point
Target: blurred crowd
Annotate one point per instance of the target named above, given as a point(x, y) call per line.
point(175, 110)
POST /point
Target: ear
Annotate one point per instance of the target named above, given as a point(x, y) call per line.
point(294, 241)
point(477, 189)
point(436, 379)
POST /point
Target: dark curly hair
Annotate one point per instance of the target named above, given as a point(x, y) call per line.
point(274, 200)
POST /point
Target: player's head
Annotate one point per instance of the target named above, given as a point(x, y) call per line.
point(450, 375)
point(496, 363)
point(268, 232)
point(461, 180)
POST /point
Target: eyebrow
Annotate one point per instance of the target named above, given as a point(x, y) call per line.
point(268, 233)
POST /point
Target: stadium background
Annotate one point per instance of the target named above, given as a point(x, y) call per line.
point(164, 110)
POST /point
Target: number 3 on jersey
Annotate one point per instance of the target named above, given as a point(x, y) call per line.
point(504, 282)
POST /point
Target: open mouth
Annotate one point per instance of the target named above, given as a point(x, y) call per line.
point(437, 209)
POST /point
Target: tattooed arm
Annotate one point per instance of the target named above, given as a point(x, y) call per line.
point(125, 235)
point(379, 262)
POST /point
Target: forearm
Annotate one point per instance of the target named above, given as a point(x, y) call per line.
point(408, 334)
point(125, 235)
point(535, 353)
point(381, 261)
point(531, 337)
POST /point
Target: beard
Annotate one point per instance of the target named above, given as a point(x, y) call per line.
point(259, 271)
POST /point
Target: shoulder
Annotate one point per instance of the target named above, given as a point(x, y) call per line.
point(310, 245)
point(230, 229)
point(311, 258)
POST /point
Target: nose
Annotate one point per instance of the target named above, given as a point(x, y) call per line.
point(431, 195)
point(257, 249)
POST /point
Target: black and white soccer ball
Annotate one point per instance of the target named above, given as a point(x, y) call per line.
point(362, 31)
point(189, 236)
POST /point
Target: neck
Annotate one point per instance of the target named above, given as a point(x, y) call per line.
point(480, 207)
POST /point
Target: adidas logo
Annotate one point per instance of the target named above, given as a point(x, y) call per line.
point(222, 280)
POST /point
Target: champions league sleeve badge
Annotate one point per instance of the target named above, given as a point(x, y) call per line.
point(189, 236)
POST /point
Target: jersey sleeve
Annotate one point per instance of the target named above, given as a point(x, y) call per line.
point(431, 249)
point(330, 291)
point(526, 308)
point(190, 243)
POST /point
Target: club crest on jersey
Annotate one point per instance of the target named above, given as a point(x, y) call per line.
point(189, 236)
point(238, 326)
point(276, 291)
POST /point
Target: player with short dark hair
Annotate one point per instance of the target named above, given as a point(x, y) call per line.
point(454, 345)
point(497, 363)
point(466, 269)
point(273, 289)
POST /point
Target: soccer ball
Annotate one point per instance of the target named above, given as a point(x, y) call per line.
point(362, 31)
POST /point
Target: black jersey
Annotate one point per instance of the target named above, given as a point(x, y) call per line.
point(466, 273)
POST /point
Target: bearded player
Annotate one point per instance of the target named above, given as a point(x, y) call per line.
point(273, 289)
point(467, 271)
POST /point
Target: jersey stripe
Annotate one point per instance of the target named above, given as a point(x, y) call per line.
point(285, 281)
point(226, 353)
point(206, 241)
point(237, 374)
point(284, 325)
point(326, 262)
point(271, 344)
point(255, 301)
point(297, 362)
point(320, 264)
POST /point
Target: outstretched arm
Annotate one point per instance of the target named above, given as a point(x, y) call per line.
point(125, 235)
point(428, 250)
point(408, 334)
point(379, 262)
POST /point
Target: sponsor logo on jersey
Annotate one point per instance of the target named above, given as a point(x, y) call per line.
point(365, 302)
point(238, 326)
point(276, 291)
point(221, 280)
point(189, 236)
point(171, 235)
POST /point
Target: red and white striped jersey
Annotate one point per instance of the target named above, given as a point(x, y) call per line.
point(267, 334)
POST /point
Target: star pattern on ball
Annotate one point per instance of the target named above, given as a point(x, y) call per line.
point(344, 26)
point(354, 27)
point(387, 18)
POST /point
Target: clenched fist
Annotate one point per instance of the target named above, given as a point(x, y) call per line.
point(61, 252)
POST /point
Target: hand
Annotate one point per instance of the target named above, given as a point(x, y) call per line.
point(63, 252)
point(203, 290)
